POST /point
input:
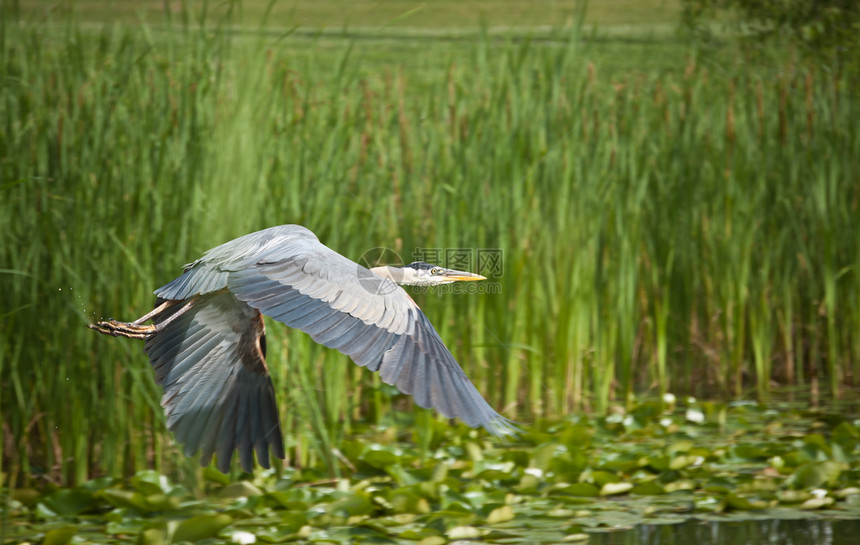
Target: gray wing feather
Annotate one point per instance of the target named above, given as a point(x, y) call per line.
point(207, 275)
point(218, 396)
point(287, 274)
point(346, 307)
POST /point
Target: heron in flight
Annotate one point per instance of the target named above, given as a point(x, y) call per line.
point(207, 342)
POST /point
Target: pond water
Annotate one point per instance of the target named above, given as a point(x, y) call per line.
point(747, 532)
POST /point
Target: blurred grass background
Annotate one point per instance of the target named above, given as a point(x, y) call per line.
point(673, 218)
point(439, 16)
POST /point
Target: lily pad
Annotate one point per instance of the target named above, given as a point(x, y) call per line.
point(501, 514)
point(150, 482)
point(351, 505)
point(60, 536)
point(152, 536)
point(464, 532)
point(239, 489)
point(815, 474)
point(817, 503)
point(649, 488)
point(611, 489)
point(70, 501)
point(744, 504)
point(379, 458)
point(200, 527)
point(579, 489)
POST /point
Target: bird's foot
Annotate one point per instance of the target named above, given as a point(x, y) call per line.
point(130, 330)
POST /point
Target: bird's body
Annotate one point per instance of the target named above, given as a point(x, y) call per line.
point(207, 341)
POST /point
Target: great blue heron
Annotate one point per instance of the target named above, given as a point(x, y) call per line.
point(207, 342)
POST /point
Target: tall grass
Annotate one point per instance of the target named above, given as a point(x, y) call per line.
point(694, 231)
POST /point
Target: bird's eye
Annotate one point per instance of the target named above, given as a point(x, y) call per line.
point(436, 270)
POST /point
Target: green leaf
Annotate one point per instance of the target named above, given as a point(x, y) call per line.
point(135, 500)
point(288, 499)
point(580, 489)
point(622, 464)
point(440, 472)
point(351, 505)
point(464, 532)
point(714, 412)
point(815, 474)
point(719, 485)
point(474, 451)
point(750, 452)
point(847, 492)
point(401, 476)
point(817, 503)
point(816, 439)
point(744, 504)
point(149, 482)
point(501, 514)
point(26, 496)
point(846, 434)
point(279, 534)
point(793, 496)
point(60, 536)
point(200, 527)
point(152, 536)
point(680, 462)
point(379, 458)
point(214, 476)
point(649, 488)
point(239, 489)
point(682, 446)
point(67, 502)
point(681, 484)
point(161, 502)
point(529, 483)
point(660, 462)
point(433, 540)
point(416, 534)
point(125, 498)
point(293, 521)
point(600, 478)
point(492, 471)
point(569, 465)
point(541, 456)
point(561, 512)
point(576, 436)
point(611, 489)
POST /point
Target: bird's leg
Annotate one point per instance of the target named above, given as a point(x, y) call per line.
point(154, 312)
point(135, 329)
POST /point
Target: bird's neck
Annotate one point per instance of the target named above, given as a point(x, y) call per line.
point(399, 275)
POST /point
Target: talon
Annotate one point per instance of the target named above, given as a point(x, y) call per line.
point(123, 329)
point(134, 330)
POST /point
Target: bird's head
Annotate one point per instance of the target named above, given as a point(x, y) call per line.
point(420, 273)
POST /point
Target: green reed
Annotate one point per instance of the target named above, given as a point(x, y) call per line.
point(691, 231)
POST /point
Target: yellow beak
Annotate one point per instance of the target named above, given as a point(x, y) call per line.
point(462, 276)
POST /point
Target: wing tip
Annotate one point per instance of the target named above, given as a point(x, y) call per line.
point(503, 429)
point(263, 454)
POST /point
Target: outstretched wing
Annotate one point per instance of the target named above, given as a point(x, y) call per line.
point(218, 396)
point(343, 305)
point(286, 273)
